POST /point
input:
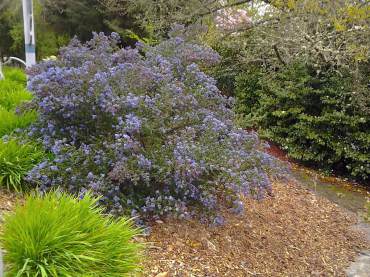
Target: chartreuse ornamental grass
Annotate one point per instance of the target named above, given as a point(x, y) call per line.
point(10, 121)
point(59, 235)
point(13, 89)
point(16, 159)
point(13, 94)
point(15, 75)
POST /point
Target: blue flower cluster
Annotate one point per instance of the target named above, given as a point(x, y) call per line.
point(144, 128)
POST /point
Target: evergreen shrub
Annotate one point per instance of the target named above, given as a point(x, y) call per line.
point(315, 116)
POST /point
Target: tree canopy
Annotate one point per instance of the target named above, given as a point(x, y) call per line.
point(59, 21)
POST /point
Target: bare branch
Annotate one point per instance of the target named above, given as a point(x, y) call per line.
point(278, 54)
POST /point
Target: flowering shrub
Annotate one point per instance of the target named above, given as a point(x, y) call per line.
point(145, 128)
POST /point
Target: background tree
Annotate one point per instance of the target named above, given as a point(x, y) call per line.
point(325, 32)
point(157, 16)
point(57, 22)
point(301, 76)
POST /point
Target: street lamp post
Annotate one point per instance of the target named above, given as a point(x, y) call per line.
point(29, 33)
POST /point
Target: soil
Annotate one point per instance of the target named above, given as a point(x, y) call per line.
point(293, 233)
point(277, 152)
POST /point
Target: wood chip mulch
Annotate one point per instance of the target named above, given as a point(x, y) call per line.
point(293, 233)
point(7, 201)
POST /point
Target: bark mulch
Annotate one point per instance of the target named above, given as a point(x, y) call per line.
point(7, 201)
point(293, 233)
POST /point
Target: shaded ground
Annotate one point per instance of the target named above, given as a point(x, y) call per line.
point(294, 233)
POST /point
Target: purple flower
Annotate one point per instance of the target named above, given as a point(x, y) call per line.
point(90, 176)
point(219, 221)
point(54, 168)
point(238, 207)
point(144, 162)
point(133, 123)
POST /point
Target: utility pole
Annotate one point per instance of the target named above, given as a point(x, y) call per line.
point(29, 33)
point(29, 40)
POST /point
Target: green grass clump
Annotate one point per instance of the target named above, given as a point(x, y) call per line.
point(12, 95)
point(12, 89)
point(58, 235)
point(10, 121)
point(16, 159)
point(15, 74)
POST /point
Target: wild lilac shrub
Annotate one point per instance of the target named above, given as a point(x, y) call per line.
point(145, 128)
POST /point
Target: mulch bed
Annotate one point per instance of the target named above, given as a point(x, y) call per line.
point(7, 201)
point(293, 233)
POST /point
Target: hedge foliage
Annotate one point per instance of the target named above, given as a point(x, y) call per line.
point(321, 118)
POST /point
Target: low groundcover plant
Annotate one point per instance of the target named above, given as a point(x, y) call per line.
point(145, 128)
point(58, 235)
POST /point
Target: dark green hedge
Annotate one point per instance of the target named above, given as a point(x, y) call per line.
point(321, 118)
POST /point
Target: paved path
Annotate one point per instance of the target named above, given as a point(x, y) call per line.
point(361, 266)
point(351, 200)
